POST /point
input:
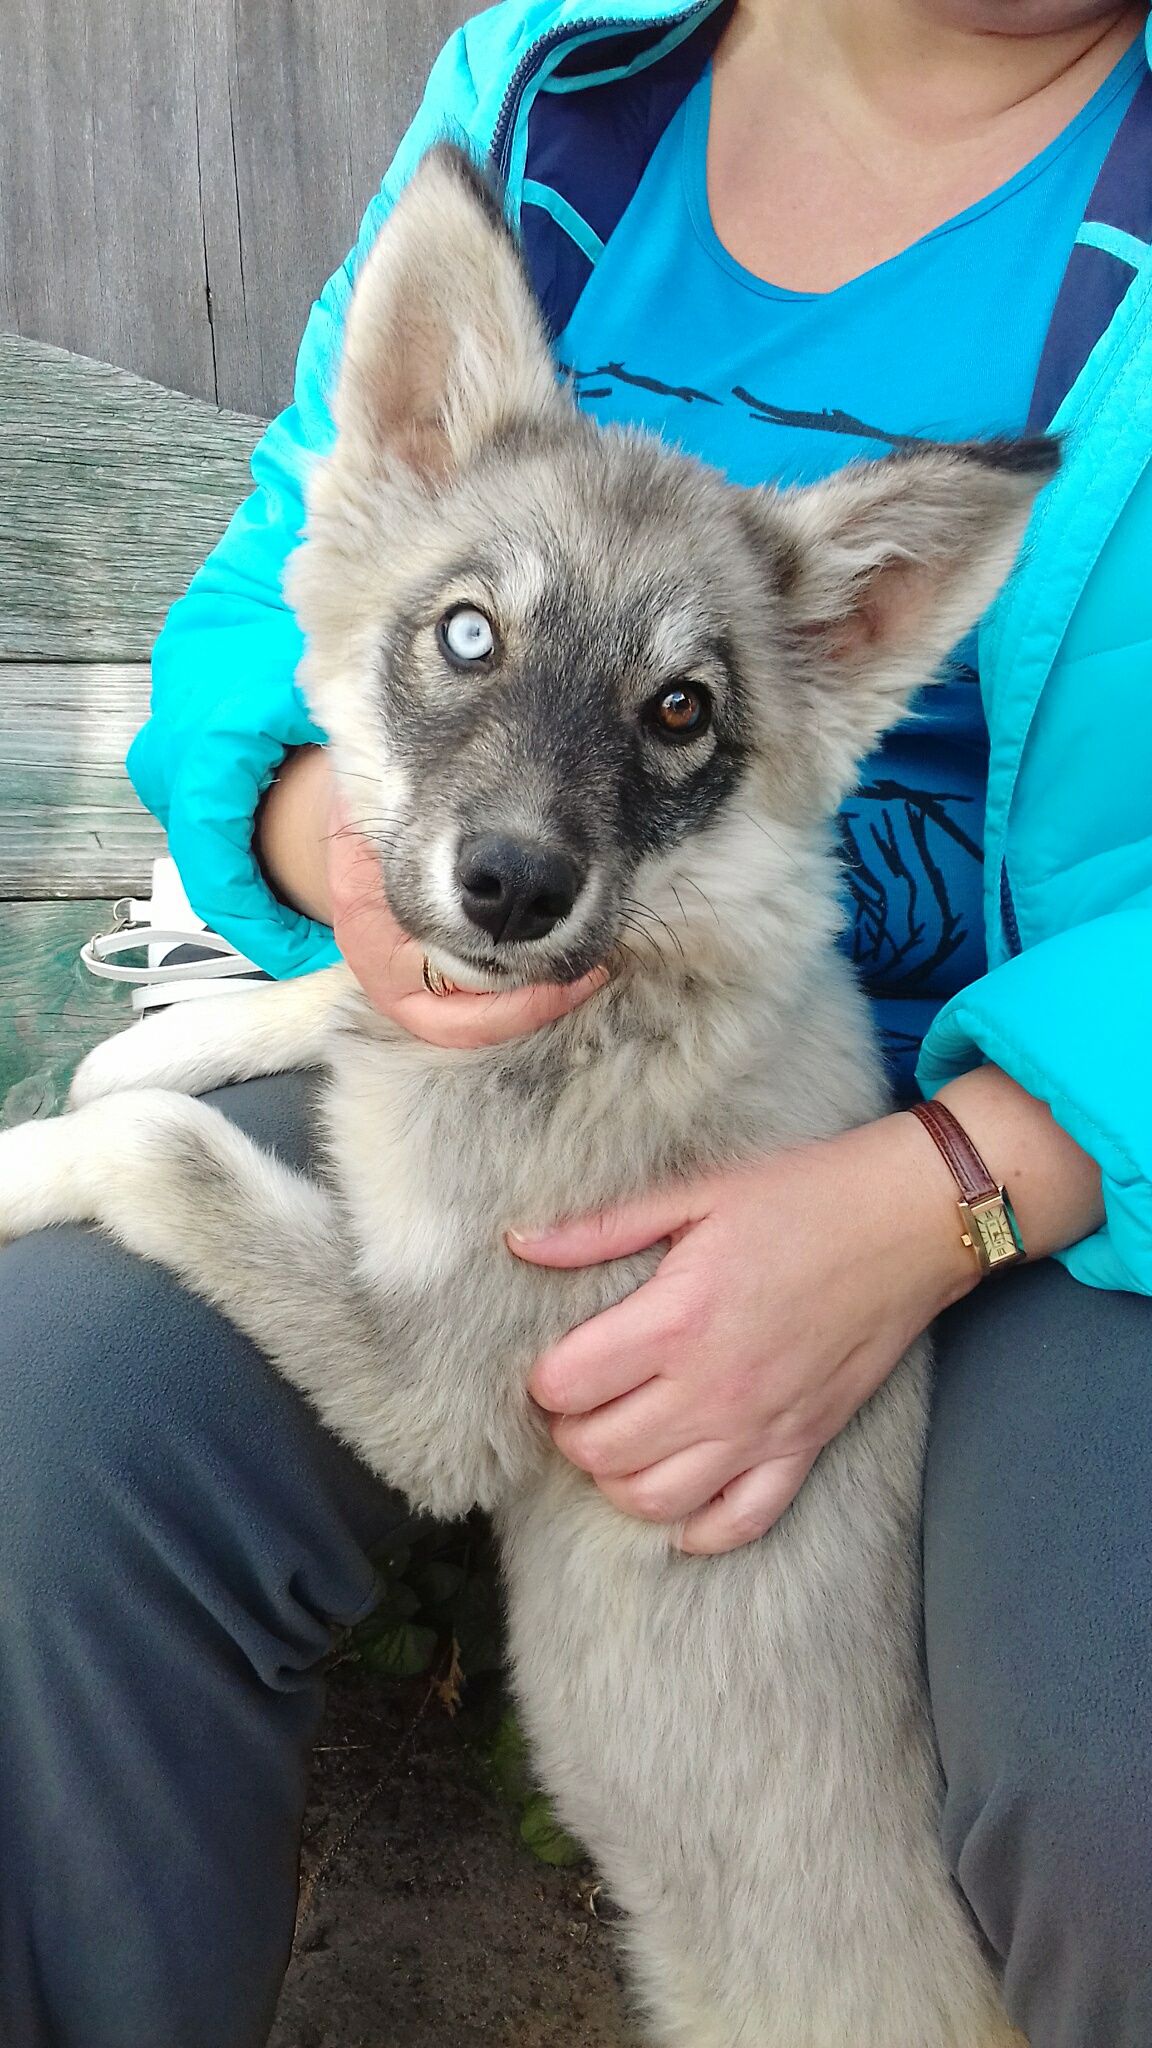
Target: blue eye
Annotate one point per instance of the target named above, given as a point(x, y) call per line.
point(466, 636)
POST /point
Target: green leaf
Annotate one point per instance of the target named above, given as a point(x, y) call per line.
point(402, 1652)
point(438, 1583)
point(399, 1603)
point(545, 1837)
point(508, 1762)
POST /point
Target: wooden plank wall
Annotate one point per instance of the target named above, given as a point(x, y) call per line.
point(114, 491)
point(178, 177)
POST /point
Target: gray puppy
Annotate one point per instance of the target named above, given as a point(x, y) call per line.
point(571, 679)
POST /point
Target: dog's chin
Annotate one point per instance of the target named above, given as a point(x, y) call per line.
point(514, 967)
point(481, 977)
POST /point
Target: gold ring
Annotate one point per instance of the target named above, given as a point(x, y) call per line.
point(436, 983)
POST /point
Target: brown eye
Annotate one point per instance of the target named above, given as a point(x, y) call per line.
point(681, 712)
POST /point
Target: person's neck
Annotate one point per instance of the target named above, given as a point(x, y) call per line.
point(900, 62)
point(843, 130)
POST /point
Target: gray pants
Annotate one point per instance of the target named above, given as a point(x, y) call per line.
point(179, 1538)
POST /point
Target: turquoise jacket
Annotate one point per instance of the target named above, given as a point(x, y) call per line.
point(1066, 653)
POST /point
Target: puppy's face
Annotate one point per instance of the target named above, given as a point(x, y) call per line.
point(565, 687)
point(559, 665)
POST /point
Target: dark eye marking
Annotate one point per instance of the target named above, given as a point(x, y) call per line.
point(466, 636)
point(680, 711)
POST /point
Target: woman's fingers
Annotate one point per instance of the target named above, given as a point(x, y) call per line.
point(676, 1487)
point(747, 1507)
point(614, 1233)
point(463, 1020)
point(615, 1352)
point(389, 965)
point(378, 949)
point(622, 1437)
point(640, 1428)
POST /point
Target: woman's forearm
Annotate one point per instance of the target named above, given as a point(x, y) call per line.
point(292, 831)
point(1054, 1187)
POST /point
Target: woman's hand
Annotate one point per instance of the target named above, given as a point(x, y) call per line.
point(789, 1292)
point(315, 861)
point(390, 966)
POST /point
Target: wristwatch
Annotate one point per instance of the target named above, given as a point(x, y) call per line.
point(988, 1226)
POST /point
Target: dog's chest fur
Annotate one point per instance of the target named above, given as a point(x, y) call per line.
point(437, 1155)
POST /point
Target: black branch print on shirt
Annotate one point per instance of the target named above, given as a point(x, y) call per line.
point(905, 927)
point(829, 420)
point(686, 393)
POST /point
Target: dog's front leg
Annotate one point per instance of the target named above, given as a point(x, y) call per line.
point(196, 1046)
point(172, 1180)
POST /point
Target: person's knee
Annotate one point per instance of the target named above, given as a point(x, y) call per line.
point(1051, 1847)
point(1037, 1556)
point(101, 1353)
point(144, 1442)
point(160, 1673)
point(71, 1407)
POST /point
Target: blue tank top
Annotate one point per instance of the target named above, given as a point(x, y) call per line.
point(775, 386)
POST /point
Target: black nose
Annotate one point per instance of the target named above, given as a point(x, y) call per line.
point(513, 890)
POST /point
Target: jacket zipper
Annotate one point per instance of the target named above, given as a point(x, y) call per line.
point(533, 58)
point(1008, 921)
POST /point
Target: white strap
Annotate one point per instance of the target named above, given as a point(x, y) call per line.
point(98, 955)
point(162, 980)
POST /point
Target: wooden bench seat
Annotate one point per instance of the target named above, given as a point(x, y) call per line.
point(112, 491)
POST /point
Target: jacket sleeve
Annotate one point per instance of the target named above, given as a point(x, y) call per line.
point(1070, 1019)
point(225, 705)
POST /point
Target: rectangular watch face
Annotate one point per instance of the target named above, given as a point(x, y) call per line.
point(991, 1219)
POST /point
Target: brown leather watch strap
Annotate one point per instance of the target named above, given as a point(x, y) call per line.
point(959, 1153)
point(989, 1227)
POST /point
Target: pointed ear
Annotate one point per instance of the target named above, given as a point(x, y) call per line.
point(444, 344)
point(882, 569)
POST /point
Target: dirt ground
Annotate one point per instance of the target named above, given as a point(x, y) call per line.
point(425, 1922)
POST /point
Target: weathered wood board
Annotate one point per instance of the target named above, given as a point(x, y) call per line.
point(70, 822)
point(178, 177)
point(114, 490)
point(51, 1009)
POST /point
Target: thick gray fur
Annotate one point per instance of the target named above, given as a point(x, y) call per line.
point(741, 1741)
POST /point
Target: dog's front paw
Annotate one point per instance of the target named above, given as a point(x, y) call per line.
point(125, 1061)
point(40, 1178)
point(184, 1050)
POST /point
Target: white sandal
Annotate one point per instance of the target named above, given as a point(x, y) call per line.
point(160, 925)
